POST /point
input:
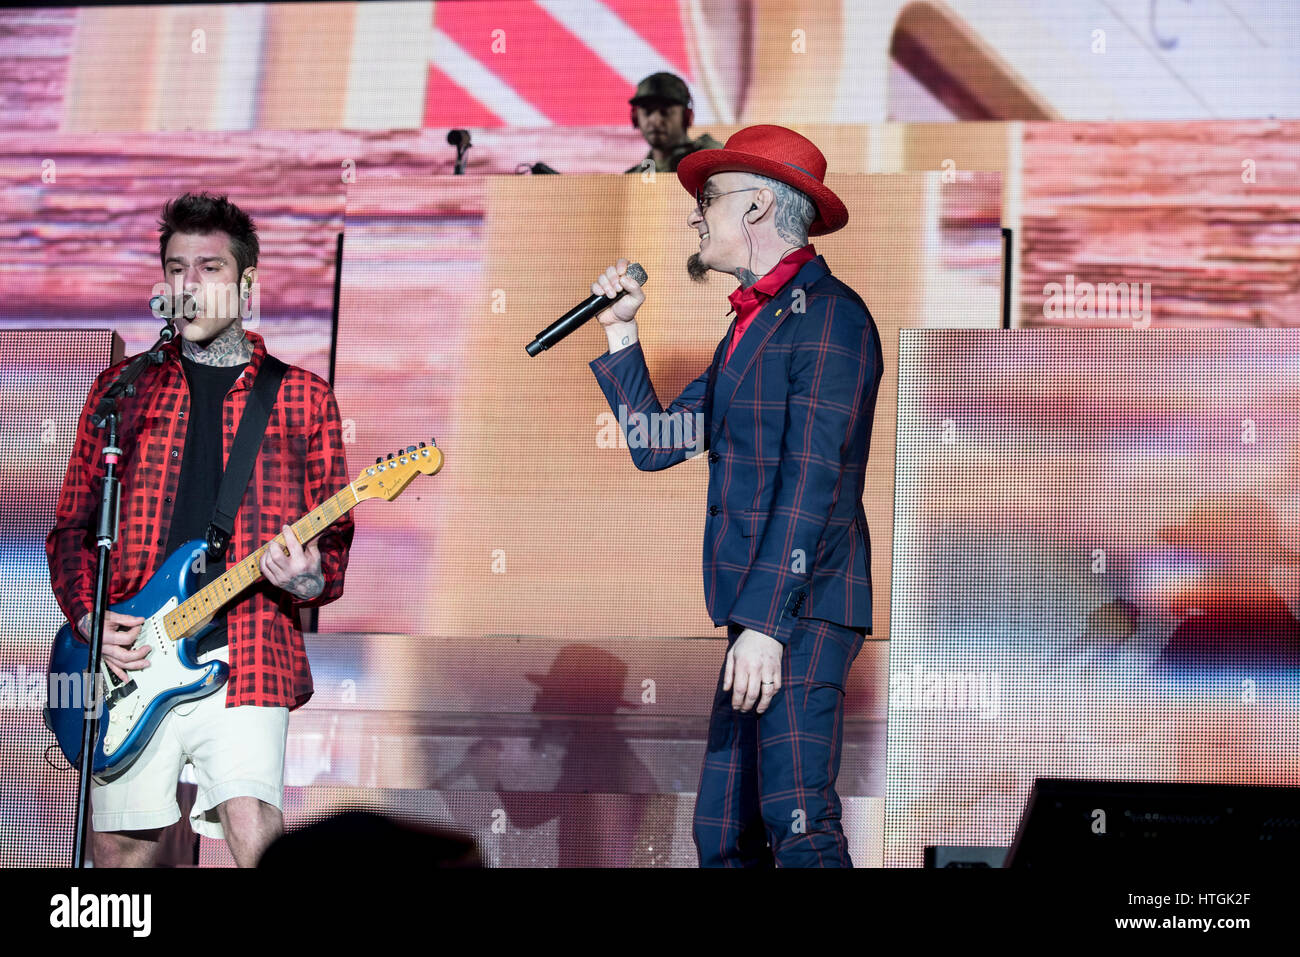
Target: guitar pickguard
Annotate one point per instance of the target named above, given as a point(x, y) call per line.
point(163, 681)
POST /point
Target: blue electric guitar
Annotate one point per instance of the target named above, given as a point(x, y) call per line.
point(175, 620)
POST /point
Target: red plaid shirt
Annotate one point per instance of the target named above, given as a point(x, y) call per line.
point(301, 463)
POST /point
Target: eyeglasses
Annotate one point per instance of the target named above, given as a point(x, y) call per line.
point(704, 200)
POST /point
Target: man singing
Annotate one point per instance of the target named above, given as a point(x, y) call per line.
point(787, 405)
point(176, 435)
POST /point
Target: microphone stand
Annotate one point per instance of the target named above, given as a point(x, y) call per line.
point(106, 416)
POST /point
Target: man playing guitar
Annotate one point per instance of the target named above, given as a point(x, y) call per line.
point(176, 435)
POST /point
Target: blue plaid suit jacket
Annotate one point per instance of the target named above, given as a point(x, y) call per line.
point(787, 427)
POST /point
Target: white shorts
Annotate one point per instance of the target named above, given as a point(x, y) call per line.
point(235, 752)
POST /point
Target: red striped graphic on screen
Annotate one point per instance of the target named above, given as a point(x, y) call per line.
point(660, 25)
point(449, 104)
point(557, 73)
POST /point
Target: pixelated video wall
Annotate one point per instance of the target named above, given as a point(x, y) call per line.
point(525, 64)
point(1096, 569)
point(44, 379)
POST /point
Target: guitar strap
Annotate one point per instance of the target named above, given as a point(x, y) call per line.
point(243, 454)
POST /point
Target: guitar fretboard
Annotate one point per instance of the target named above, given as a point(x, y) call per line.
point(205, 604)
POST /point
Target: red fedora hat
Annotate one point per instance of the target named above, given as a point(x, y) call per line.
point(776, 152)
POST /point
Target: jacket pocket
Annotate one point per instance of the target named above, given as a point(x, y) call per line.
point(751, 523)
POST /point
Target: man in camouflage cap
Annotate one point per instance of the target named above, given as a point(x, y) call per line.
point(661, 110)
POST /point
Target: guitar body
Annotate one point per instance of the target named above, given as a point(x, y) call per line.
point(133, 712)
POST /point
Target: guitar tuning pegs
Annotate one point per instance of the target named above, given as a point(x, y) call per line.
point(410, 449)
point(391, 454)
point(379, 459)
point(433, 442)
point(421, 445)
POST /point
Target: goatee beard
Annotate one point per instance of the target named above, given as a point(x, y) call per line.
point(696, 269)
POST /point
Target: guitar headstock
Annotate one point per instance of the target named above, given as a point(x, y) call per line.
point(389, 476)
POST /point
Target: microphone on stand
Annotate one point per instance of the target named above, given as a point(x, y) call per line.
point(579, 314)
point(460, 140)
point(165, 307)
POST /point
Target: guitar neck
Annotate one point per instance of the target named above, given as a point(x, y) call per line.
point(205, 604)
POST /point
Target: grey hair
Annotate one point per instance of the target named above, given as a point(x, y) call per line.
point(795, 212)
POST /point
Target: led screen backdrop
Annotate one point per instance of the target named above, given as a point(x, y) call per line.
point(1200, 222)
point(44, 378)
point(487, 64)
point(1096, 571)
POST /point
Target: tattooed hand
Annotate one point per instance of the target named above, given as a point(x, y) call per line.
point(297, 572)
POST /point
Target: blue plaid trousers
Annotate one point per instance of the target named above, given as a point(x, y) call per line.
point(767, 790)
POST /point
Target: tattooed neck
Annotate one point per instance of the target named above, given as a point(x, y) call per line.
point(746, 277)
point(230, 348)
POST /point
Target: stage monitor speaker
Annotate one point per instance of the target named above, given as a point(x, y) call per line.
point(1114, 824)
point(964, 856)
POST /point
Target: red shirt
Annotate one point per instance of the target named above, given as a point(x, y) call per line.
point(301, 463)
point(748, 301)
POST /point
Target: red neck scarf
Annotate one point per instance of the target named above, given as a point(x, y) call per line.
point(748, 301)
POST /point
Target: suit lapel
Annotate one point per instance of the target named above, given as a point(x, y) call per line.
point(760, 330)
point(718, 353)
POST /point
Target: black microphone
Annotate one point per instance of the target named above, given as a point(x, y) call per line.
point(579, 314)
point(460, 140)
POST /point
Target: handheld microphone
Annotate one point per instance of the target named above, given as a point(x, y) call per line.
point(579, 314)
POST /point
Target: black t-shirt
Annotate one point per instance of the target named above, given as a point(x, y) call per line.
point(201, 470)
